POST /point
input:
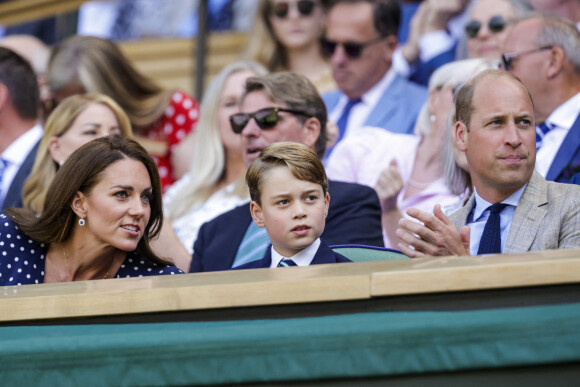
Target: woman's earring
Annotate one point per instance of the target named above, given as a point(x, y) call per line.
point(82, 222)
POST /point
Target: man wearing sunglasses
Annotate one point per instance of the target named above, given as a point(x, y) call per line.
point(543, 51)
point(361, 36)
point(280, 107)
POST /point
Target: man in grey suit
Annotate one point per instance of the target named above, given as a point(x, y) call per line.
point(495, 129)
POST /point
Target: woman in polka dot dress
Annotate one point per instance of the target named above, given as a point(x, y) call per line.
point(101, 210)
point(161, 119)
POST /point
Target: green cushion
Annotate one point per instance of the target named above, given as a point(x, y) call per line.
point(368, 253)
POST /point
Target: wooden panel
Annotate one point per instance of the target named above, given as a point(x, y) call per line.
point(14, 12)
point(468, 273)
point(363, 281)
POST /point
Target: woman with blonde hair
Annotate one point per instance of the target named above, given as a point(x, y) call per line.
point(215, 181)
point(160, 118)
point(286, 37)
point(75, 121)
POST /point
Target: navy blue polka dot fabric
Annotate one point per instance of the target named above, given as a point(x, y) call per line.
point(22, 259)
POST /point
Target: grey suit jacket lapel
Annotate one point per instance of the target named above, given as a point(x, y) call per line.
point(529, 214)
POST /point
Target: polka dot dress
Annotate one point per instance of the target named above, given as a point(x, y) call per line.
point(179, 119)
point(22, 260)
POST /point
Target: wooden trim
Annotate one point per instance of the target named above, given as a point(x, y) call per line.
point(15, 12)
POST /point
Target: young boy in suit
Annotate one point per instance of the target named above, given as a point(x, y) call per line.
point(289, 191)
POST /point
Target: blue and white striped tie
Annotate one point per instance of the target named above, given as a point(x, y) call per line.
point(541, 131)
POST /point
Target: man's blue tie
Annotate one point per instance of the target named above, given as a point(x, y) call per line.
point(541, 131)
point(253, 246)
point(490, 242)
point(286, 262)
point(343, 120)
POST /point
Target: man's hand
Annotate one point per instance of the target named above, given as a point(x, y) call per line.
point(437, 236)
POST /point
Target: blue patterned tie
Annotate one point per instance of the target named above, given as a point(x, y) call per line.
point(286, 262)
point(541, 131)
point(490, 242)
point(253, 246)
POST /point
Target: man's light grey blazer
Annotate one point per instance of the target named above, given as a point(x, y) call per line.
point(547, 217)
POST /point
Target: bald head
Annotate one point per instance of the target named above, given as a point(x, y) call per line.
point(30, 48)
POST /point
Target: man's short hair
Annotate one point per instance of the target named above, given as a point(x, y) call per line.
point(557, 31)
point(298, 93)
point(464, 101)
point(300, 160)
point(19, 78)
point(386, 15)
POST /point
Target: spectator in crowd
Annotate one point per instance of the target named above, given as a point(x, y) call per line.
point(406, 170)
point(19, 129)
point(280, 107)
point(214, 183)
point(101, 210)
point(286, 37)
point(513, 208)
point(543, 51)
point(360, 38)
point(77, 120)
point(161, 119)
point(488, 25)
point(289, 191)
point(569, 9)
point(36, 53)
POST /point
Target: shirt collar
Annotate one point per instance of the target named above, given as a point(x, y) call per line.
point(481, 204)
point(373, 95)
point(303, 258)
point(17, 152)
point(565, 114)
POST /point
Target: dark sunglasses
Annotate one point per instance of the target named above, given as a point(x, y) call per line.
point(507, 59)
point(496, 24)
point(266, 118)
point(352, 49)
point(305, 7)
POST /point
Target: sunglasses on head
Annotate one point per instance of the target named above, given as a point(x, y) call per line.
point(351, 49)
point(305, 8)
point(265, 118)
point(496, 24)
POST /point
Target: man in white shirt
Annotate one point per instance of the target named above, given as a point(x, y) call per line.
point(19, 132)
point(360, 39)
point(543, 51)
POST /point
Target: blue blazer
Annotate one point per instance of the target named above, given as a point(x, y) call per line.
point(568, 153)
point(354, 216)
point(323, 255)
point(396, 110)
point(14, 195)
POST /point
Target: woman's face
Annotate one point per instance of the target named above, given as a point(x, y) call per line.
point(97, 120)
point(117, 209)
point(297, 23)
point(488, 44)
point(230, 104)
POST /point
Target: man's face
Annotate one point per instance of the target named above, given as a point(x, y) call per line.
point(500, 145)
point(288, 128)
point(530, 63)
point(353, 23)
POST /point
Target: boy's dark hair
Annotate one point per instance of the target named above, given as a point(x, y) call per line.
point(300, 160)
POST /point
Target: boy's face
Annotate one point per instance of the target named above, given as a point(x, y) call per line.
point(293, 211)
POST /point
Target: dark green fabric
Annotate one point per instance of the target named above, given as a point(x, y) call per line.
point(369, 344)
point(361, 254)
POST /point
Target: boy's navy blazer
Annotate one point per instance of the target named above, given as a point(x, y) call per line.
point(323, 255)
point(567, 155)
point(354, 217)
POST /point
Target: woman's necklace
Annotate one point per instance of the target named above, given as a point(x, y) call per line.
point(68, 270)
